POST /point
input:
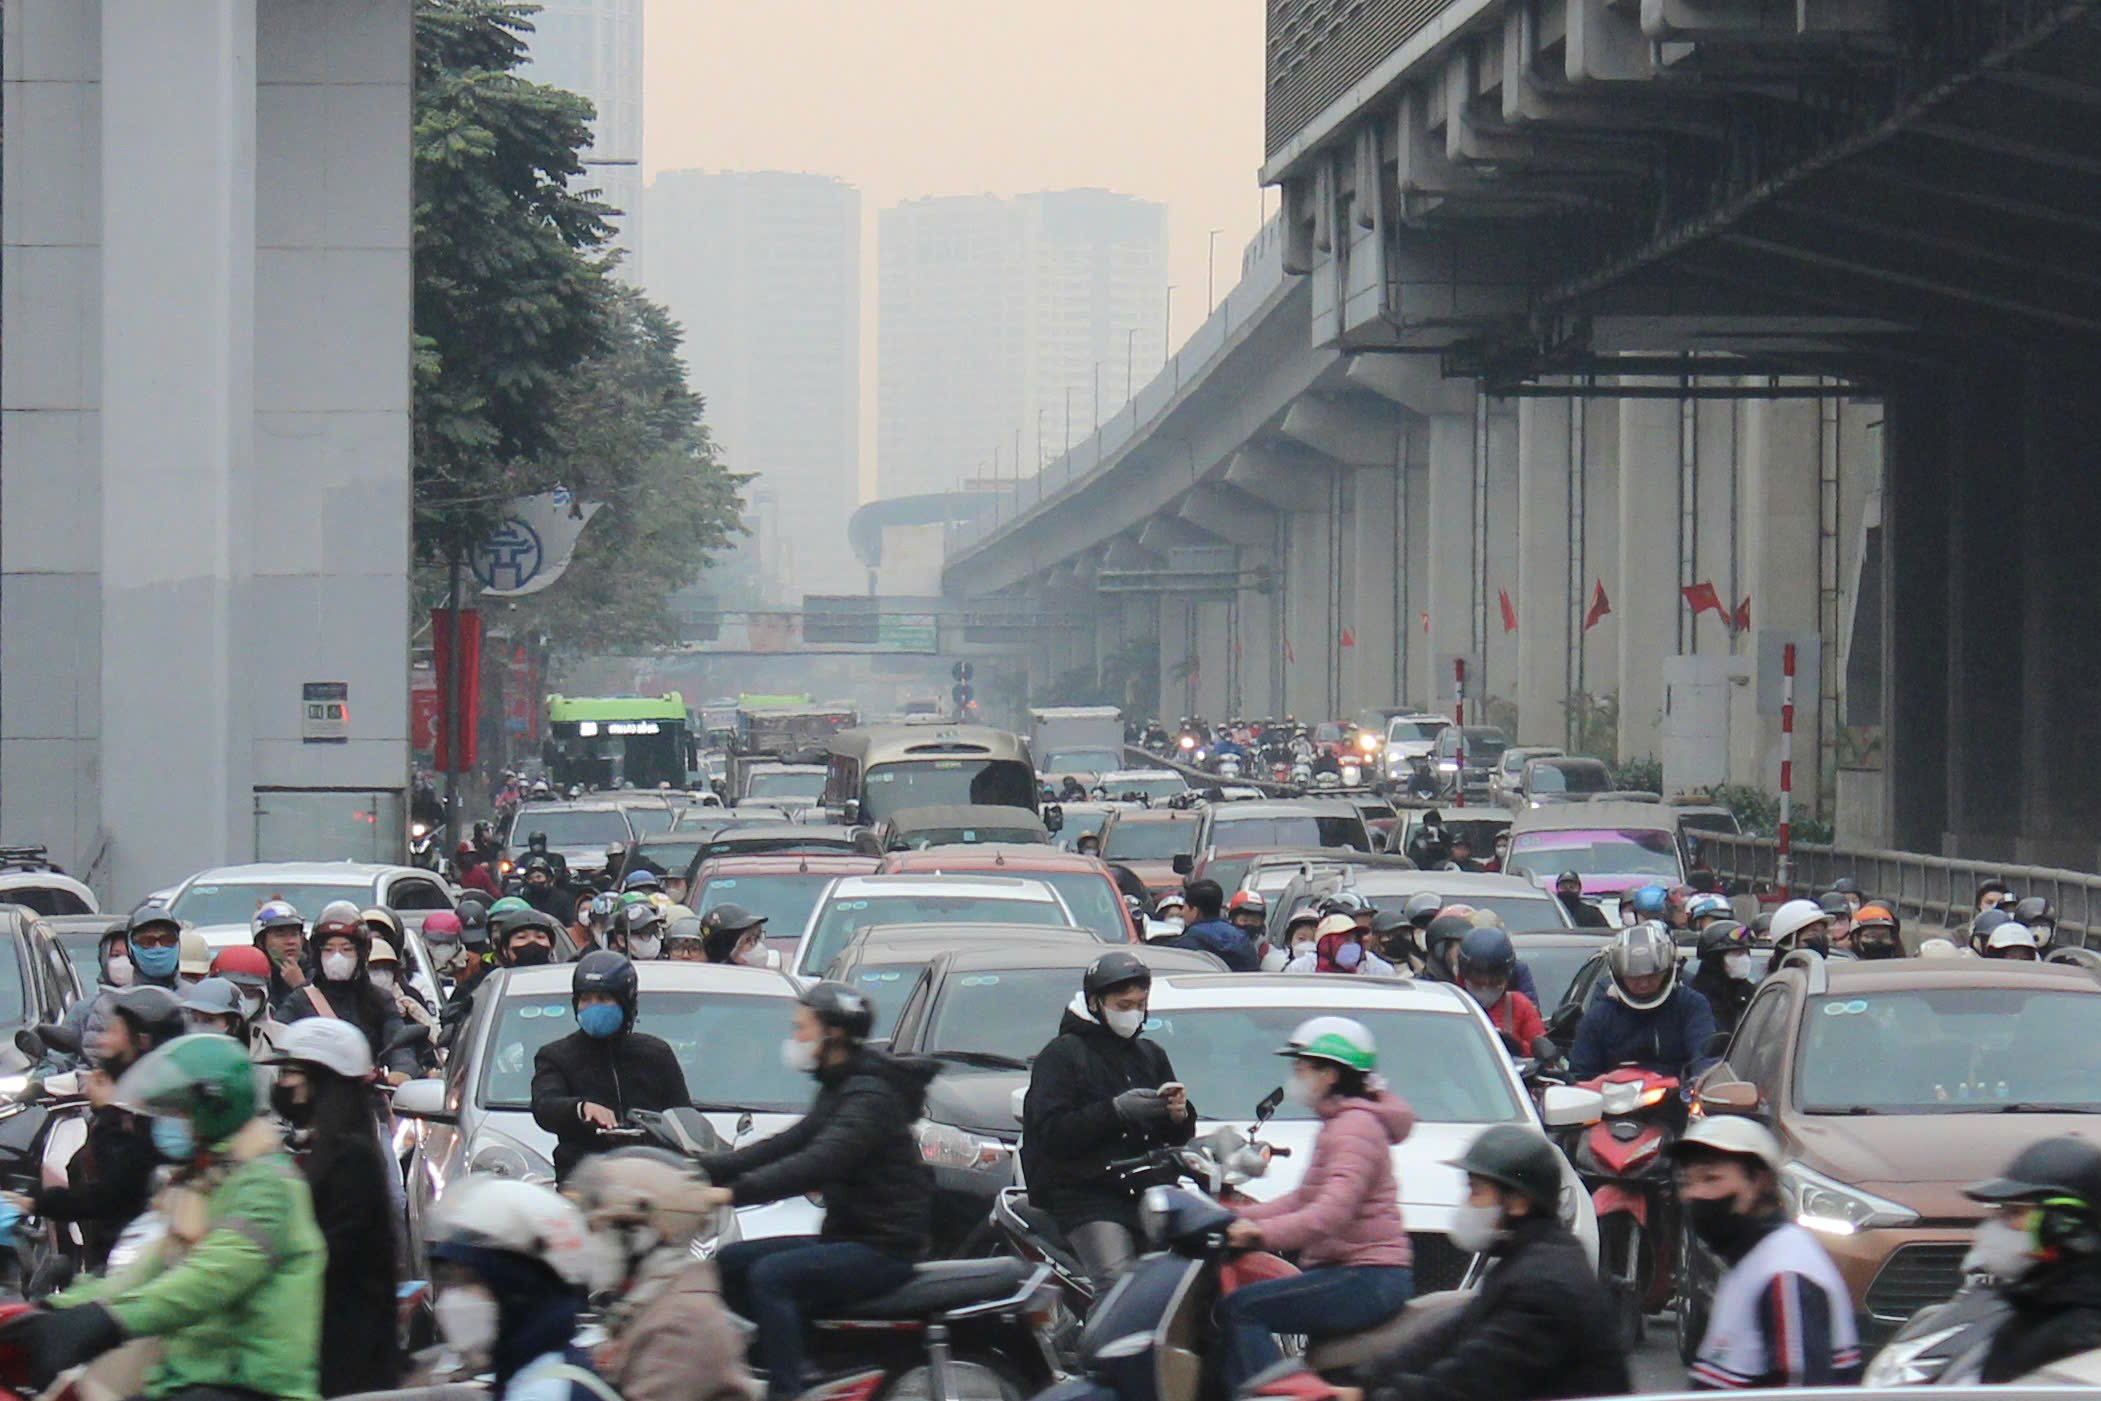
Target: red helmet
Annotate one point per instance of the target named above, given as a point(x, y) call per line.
point(1248, 900)
point(244, 960)
point(442, 922)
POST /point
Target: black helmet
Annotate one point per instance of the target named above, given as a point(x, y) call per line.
point(1834, 902)
point(683, 928)
point(1762, 924)
point(837, 1005)
point(1486, 953)
point(1724, 936)
point(1392, 921)
point(734, 918)
point(536, 862)
point(1422, 908)
point(636, 920)
point(1574, 878)
point(1981, 927)
point(1346, 902)
point(1444, 933)
point(473, 911)
point(2035, 910)
point(603, 970)
point(1115, 970)
point(1518, 1159)
point(2050, 1167)
point(528, 919)
point(152, 1013)
point(146, 916)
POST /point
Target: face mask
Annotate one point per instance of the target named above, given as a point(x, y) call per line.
point(1737, 965)
point(1485, 994)
point(1476, 1229)
point(1718, 1225)
point(1348, 957)
point(251, 1003)
point(1301, 950)
point(600, 1020)
point(287, 1109)
point(1302, 1092)
point(172, 1140)
point(338, 967)
point(799, 1056)
point(2001, 1250)
point(120, 971)
point(1124, 1023)
point(645, 948)
point(531, 956)
point(753, 957)
point(1173, 921)
point(382, 978)
point(156, 963)
point(466, 1317)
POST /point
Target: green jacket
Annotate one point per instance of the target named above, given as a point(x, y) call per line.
point(241, 1307)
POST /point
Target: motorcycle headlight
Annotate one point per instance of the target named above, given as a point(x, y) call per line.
point(944, 1145)
point(1368, 743)
point(1834, 1208)
point(1448, 766)
point(1901, 1363)
point(417, 829)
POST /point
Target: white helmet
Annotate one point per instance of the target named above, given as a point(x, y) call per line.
point(382, 952)
point(2011, 936)
point(1794, 917)
point(484, 1212)
point(1732, 1134)
point(329, 1043)
point(653, 1188)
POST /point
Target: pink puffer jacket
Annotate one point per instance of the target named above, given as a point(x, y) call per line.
point(1347, 1209)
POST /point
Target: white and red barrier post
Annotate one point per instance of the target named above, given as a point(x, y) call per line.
point(1787, 765)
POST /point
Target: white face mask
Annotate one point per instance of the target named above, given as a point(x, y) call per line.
point(1175, 920)
point(1737, 965)
point(382, 978)
point(2001, 1250)
point(1124, 1023)
point(466, 1317)
point(645, 948)
point(1477, 1228)
point(338, 967)
point(121, 973)
point(1302, 1092)
point(799, 1056)
point(753, 957)
point(1300, 950)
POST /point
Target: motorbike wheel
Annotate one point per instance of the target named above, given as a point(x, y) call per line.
point(1690, 1313)
point(1619, 1265)
point(973, 1375)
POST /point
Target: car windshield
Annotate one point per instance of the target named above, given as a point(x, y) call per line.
point(1082, 761)
point(1710, 822)
point(1484, 747)
point(666, 858)
point(650, 821)
point(1274, 833)
point(1949, 1050)
point(45, 899)
point(1094, 900)
point(786, 785)
point(1442, 1063)
point(838, 920)
point(924, 783)
point(1011, 1012)
point(578, 827)
point(235, 902)
point(1154, 786)
point(920, 838)
point(1575, 776)
point(1624, 852)
point(1554, 971)
point(727, 1044)
point(783, 901)
point(1085, 822)
point(1150, 841)
point(887, 986)
point(1412, 731)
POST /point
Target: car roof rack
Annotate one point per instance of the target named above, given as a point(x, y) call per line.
point(27, 858)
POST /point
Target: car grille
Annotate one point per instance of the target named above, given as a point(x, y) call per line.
point(1915, 1276)
point(1439, 1264)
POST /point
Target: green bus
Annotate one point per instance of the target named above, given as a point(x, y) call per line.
point(601, 741)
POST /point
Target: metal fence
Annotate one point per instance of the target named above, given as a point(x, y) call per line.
point(1927, 892)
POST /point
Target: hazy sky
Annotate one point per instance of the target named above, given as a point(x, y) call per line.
point(1156, 98)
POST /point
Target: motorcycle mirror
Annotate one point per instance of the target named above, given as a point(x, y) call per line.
point(1184, 863)
point(1732, 1097)
point(27, 1043)
point(1268, 1106)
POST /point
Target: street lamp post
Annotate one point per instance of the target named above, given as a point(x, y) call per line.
point(1211, 273)
point(1130, 354)
point(1167, 335)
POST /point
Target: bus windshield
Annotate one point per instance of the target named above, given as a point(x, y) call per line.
point(888, 789)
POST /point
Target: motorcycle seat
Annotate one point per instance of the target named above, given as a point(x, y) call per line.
point(942, 1285)
point(1042, 1223)
point(1422, 1313)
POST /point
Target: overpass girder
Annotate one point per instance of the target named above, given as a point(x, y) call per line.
point(1758, 21)
point(1353, 431)
point(1230, 514)
point(1286, 478)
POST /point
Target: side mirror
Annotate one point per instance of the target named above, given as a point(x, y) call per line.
point(1566, 1106)
point(1018, 1101)
point(28, 1043)
point(1184, 863)
point(1053, 818)
point(850, 812)
point(1565, 1019)
point(424, 1099)
point(1734, 1097)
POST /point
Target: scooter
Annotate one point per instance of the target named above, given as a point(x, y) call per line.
point(1943, 1344)
point(1621, 1159)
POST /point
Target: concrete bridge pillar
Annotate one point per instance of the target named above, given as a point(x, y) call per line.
point(1371, 671)
point(1311, 625)
point(1779, 475)
point(1412, 638)
point(1498, 568)
point(1646, 601)
point(1450, 563)
point(1546, 455)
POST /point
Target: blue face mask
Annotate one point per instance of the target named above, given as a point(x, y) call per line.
point(156, 963)
point(172, 1140)
point(600, 1020)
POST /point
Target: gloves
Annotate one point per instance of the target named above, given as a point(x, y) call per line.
point(1141, 1108)
point(55, 1339)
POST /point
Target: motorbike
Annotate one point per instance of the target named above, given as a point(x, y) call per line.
point(426, 845)
point(41, 1127)
point(1943, 1344)
point(1621, 1160)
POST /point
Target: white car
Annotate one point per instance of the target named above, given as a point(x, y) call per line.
point(220, 903)
point(859, 902)
point(725, 1023)
point(1437, 1051)
point(45, 891)
point(1410, 737)
point(1157, 785)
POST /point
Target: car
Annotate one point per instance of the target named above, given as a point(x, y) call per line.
point(1380, 817)
point(80, 939)
point(782, 889)
point(785, 788)
point(1410, 737)
point(1559, 778)
point(220, 903)
point(1510, 764)
point(1480, 746)
point(1304, 822)
point(1891, 1084)
point(781, 838)
point(1078, 820)
point(1557, 957)
point(1083, 882)
point(37, 984)
point(586, 835)
point(855, 902)
point(28, 879)
point(1148, 785)
point(723, 1022)
point(985, 1011)
point(650, 811)
point(1614, 846)
point(1518, 903)
point(1480, 826)
point(1696, 820)
point(885, 960)
point(1436, 1050)
point(1148, 840)
point(669, 857)
point(962, 824)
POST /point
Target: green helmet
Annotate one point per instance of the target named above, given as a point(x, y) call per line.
point(632, 897)
point(204, 1077)
point(1340, 1040)
point(508, 905)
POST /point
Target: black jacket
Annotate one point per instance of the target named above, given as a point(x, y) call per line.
point(1727, 996)
point(1585, 914)
point(359, 1002)
point(349, 1188)
point(1540, 1328)
point(632, 1070)
point(2056, 1313)
point(553, 901)
point(854, 1146)
point(108, 1181)
point(1071, 1132)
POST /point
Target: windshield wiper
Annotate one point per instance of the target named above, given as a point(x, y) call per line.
point(2042, 1106)
point(1859, 1110)
point(989, 1060)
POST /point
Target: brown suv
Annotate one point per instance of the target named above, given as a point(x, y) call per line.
point(1892, 1084)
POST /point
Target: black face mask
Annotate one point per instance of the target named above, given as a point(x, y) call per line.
point(531, 956)
point(1720, 1227)
point(288, 1109)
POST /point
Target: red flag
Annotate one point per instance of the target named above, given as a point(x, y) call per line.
point(1349, 639)
point(1426, 622)
point(1742, 621)
point(1600, 606)
point(1701, 596)
point(1289, 654)
point(1509, 612)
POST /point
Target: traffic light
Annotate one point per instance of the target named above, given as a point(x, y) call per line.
point(963, 672)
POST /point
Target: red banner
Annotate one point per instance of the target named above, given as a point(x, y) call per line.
point(467, 704)
point(423, 718)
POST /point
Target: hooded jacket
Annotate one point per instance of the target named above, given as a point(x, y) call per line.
point(2056, 1314)
point(854, 1146)
point(680, 1344)
point(1726, 996)
point(85, 1017)
point(1346, 1209)
point(1071, 1131)
point(1228, 942)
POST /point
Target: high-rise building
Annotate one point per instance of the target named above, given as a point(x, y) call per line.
point(1009, 327)
point(763, 270)
point(594, 48)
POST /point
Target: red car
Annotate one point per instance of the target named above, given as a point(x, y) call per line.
point(1082, 882)
point(784, 889)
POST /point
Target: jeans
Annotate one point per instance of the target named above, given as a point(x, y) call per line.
point(1106, 1249)
point(1319, 1303)
point(773, 1282)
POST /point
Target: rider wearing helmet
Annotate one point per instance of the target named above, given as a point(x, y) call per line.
point(1982, 928)
point(2012, 940)
point(1648, 902)
point(1875, 933)
point(248, 969)
point(1839, 910)
point(1208, 933)
point(1343, 1220)
point(1646, 1015)
point(1248, 912)
point(1704, 909)
point(540, 889)
point(1723, 975)
point(193, 958)
point(2042, 1251)
point(586, 1081)
point(523, 937)
point(1541, 1324)
point(638, 931)
point(854, 1146)
point(1781, 1314)
point(342, 987)
point(1568, 889)
point(685, 940)
point(1301, 940)
point(1801, 924)
point(213, 1005)
point(2041, 918)
point(1100, 1092)
point(1441, 946)
point(1486, 962)
point(732, 934)
point(1392, 937)
point(514, 1262)
point(1340, 947)
point(670, 1337)
point(233, 1291)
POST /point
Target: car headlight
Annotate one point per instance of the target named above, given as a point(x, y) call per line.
point(12, 1085)
point(945, 1145)
point(1448, 766)
point(1368, 743)
point(1835, 1209)
point(499, 1155)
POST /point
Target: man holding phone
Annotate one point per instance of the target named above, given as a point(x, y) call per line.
point(1098, 1093)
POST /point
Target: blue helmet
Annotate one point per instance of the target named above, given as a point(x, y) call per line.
point(1486, 953)
point(644, 879)
point(1651, 901)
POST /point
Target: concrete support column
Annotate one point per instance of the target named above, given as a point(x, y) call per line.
point(1310, 627)
point(1499, 568)
point(1646, 601)
point(1255, 641)
point(1920, 533)
point(1214, 648)
point(1414, 503)
point(1450, 593)
point(1545, 429)
point(1780, 515)
point(178, 384)
point(1373, 523)
point(1598, 647)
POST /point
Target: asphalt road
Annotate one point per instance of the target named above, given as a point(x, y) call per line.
point(1655, 1364)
